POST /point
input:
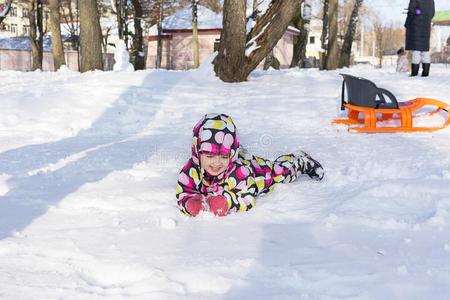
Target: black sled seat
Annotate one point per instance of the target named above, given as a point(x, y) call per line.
point(376, 104)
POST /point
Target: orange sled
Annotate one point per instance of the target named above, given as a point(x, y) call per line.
point(368, 101)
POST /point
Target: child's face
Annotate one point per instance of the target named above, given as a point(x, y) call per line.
point(214, 164)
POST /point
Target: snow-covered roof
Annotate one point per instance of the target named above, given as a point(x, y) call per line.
point(24, 43)
point(182, 19)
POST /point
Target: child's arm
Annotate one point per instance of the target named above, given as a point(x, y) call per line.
point(240, 190)
point(187, 186)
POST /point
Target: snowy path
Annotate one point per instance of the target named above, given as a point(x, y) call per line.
point(88, 165)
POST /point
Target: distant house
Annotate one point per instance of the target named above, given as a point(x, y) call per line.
point(15, 54)
point(177, 40)
point(314, 45)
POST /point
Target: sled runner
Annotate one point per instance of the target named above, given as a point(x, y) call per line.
point(373, 109)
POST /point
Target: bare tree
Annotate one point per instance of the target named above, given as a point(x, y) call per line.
point(90, 36)
point(240, 53)
point(214, 5)
point(270, 61)
point(35, 17)
point(70, 16)
point(378, 29)
point(386, 39)
point(301, 22)
point(332, 49)
point(195, 42)
point(159, 37)
point(346, 50)
point(324, 36)
point(120, 17)
point(137, 55)
point(4, 10)
point(55, 28)
point(106, 33)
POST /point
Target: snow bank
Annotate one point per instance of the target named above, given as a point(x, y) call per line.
point(88, 165)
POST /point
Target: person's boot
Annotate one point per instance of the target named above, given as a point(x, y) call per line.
point(414, 69)
point(310, 166)
point(425, 70)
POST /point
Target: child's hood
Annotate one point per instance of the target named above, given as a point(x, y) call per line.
point(215, 134)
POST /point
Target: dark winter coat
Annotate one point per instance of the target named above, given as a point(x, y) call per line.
point(418, 24)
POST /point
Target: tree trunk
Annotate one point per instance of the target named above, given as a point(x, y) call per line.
point(57, 45)
point(344, 60)
point(138, 43)
point(36, 33)
point(379, 30)
point(195, 42)
point(119, 12)
point(105, 38)
point(126, 32)
point(333, 50)
point(271, 61)
point(300, 42)
point(159, 37)
point(90, 35)
point(5, 10)
point(324, 36)
point(239, 54)
point(231, 56)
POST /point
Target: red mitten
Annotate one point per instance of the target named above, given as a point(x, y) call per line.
point(218, 205)
point(194, 205)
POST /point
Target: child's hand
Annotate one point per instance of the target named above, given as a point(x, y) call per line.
point(194, 205)
point(218, 205)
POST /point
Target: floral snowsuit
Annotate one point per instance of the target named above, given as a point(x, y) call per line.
point(246, 177)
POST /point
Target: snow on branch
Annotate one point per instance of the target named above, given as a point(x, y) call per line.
point(252, 45)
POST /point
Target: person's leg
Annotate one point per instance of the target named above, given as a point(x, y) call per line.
point(288, 167)
point(285, 169)
point(426, 60)
point(415, 64)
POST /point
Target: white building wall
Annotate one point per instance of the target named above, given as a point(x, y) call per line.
point(16, 22)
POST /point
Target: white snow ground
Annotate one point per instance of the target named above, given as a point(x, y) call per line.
point(89, 163)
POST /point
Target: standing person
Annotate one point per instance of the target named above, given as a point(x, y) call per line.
point(222, 177)
point(402, 61)
point(418, 30)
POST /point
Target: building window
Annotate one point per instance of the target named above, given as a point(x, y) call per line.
point(312, 39)
point(13, 28)
point(26, 30)
point(13, 12)
point(24, 12)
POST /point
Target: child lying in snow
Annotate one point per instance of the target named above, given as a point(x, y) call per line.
point(222, 176)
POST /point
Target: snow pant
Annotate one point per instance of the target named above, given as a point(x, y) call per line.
point(284, 169)
point(421, 56)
